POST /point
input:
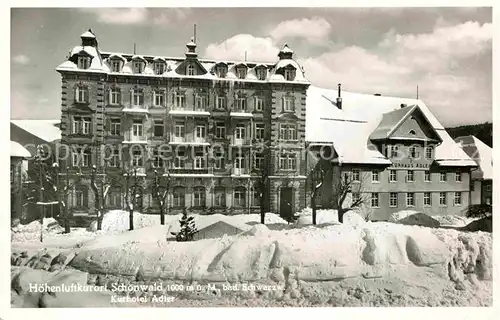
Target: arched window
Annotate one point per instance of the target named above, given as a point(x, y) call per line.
point(179, 197)
point(411, 132)
point(199, 197)
point(220, 197)
point(239, 197)
point(82, 94)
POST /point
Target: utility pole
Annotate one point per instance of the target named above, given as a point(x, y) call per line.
point(417, 91)
point(194, 33)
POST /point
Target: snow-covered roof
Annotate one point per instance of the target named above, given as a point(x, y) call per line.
point(18, 151)
point(286, 49)
point(43, 129)
point(481, 153)
point(349, 128)
point(96, 65)
point(189, 112)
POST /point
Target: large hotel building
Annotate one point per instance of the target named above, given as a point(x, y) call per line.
point(215, 129)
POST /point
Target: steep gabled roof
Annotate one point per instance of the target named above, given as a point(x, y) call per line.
point(350, 127)
point(392, 120)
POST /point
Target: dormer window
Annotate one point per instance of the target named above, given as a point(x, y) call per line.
point(115, 65)
point(190, 71)
point(221, 71)
point(82, 94)
point(138, 66)
point(159, 68)
point(241, 72)
point(83, 62)
point(261, 73)
point(289, 74)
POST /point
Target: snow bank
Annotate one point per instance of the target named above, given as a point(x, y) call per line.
point(328, 216)
point(118, 220)
point(453, 220)
point(31, 231)
point(394, 217)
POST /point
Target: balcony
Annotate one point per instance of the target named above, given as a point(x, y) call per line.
point(136, 110)
point(240, 172)
point(241, 113)
point(241, 141)
point(131, 139)
point(184, 141)
point(184, 172)
point(188, 112)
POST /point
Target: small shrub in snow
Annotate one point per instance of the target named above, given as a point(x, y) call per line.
point(478, 211)
point(188, 228)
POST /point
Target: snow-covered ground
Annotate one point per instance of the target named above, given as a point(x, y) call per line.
point(357, 263)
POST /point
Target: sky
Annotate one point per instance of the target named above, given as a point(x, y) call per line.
point(446, 52)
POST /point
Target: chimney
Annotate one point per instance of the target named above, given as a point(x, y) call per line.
point(377, 94)
point(403, 105)
point(339, 98)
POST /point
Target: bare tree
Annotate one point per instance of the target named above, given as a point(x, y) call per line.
point(261, 187)
point(132, 194)
point(342, 187)
point(101, 188)
point(51, 189)
point(317, 171)
point(160, 190)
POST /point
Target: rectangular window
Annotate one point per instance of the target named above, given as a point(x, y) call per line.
point(442, 176)
point(355, 175)
point(288, 104)
point(220, 103)
point(81, 197)
point(394, 151)
point(259, 131)
point(393, 199)
point(115, 127)
point(159, 68)
point(241, 73)
point(258, 161)
point(179, 160)
point(179, 131)
point(410, 199)
point(240, 104)
point(199, 162)
point(179, 100)
point(239, 162)
point(83, 62)
point(261, 73)
point(76, 125)
point(239, 197)
point(427, 199)
point(138, 67)
point(427, 176)
point(240, 132)
point(200, 132)
point(114, 96)
point(288, 161)
point(190, 70)
point(410, 176)
point(159, 128)
point(488, 188)
point(221, 72)
point(288, 132)
point(219, 197)
point(157, 159)
point(458, 176)
point(200, 102)
point(220, 130)
point(199, 197)
point(393, 176)
point(428, 153)
point(159, 98)
point(114, 160)
point(137, 98)
point(115, 65)
point(82, 94)
point(86, 125)
point(374, 200)
point(259, 104)
point(442, 198)
point(179, 197)
point(375, 176)
point(289, 75)
point(137, 129)
point(458, 198)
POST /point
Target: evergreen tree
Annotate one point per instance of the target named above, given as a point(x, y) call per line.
point(188, 228)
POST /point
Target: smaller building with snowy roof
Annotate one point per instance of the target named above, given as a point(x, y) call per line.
point(482, 177)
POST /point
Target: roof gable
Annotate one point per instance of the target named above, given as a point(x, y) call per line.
point(181, 68)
